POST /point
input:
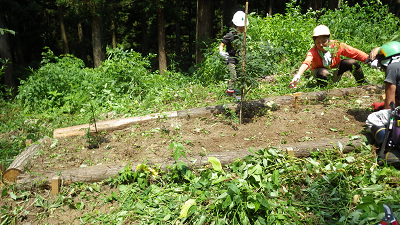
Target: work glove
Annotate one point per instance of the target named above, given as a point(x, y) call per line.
point(374, 64)
point(295, 80)
point(378, 106)
point(224, 55)
point(372, 55)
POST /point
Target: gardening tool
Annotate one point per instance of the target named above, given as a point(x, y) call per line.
point(388, 218)
point(389, 128)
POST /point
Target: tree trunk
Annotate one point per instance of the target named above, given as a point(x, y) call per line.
point(204, 26)
point(96, 40)
point(178, 42)
point(229, 7)
point(101, 172)
point(22, 161)
point(162, 56)
point(5, 54)
point(270, 7)
point(114, 36)
point(63, 31)
point(145, 38)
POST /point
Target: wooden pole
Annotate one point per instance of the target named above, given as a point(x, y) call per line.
point(243, 62)
point(296, 95)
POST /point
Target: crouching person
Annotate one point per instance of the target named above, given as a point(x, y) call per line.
point(384, 123)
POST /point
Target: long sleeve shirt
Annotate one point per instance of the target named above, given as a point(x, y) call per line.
point(314, 60)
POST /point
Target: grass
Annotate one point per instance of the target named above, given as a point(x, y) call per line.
point(267, 188)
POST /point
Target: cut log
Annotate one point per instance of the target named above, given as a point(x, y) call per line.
point(120, 124)
point(109, 125)
point(17, 167)
point(88, 174)
point(101, 172)
point(11, 174)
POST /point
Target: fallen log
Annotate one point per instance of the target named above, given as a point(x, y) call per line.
point(100, 172)
point(120, 124)
point(22, 161)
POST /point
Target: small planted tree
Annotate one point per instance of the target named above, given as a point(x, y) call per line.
point(258, 59)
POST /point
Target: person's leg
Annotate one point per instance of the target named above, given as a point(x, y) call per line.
point(231, 82)
point(321, 74)
point(349, 65)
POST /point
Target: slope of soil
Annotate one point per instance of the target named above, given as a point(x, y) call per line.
point(149, 142)
point(312, 121)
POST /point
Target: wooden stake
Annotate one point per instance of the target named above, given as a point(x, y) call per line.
point(296, 95)
point(28, 142)
point(55, 185)
point(289, 151)
point(243, 63)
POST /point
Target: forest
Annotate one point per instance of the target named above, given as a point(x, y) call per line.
point(176, 31)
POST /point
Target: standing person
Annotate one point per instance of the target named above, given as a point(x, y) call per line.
point(388, 56)
point(231, 53)
point(325, 55)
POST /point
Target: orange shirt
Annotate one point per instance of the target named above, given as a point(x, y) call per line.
point(314, 60)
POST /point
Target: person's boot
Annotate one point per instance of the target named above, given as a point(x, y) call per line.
point(359, 76)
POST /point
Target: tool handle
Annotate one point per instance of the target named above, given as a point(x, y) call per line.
point(388, 130)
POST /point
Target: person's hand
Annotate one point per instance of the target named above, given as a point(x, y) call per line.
point(374, 64)
point(378, 106)
point(372, 55)
point(224, 55)
point(295, 80)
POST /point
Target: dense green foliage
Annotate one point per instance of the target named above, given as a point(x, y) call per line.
point(265, 188)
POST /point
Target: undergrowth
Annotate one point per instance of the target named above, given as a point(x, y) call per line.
point(267, 187)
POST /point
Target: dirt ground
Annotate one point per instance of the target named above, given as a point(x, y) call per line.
point(150, 141)
point(216, 133)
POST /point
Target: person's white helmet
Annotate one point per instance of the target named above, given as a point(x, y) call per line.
point(238, 19)
point(321, 30)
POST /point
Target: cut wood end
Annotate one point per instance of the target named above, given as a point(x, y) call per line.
point(11, 174)
point(289, 151)
point(383, 96)
point(297, 94)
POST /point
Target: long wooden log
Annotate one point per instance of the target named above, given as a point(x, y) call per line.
point(119, 124)
point(100, 172)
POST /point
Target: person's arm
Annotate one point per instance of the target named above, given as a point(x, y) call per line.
point(353, 53)
point(222, 53)
point(296, 77)
point(390, 92)
point(221, 47)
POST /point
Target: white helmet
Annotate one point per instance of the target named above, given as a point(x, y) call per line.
point(321, 30)
point(238, 19)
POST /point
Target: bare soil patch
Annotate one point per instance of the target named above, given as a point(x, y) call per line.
point(149, 142)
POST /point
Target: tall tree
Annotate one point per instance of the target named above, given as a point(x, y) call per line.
point(204, 26)
point(96, 37)
point(5, 54)
point(229, 7)
point(64, 38)
point(162, 55)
